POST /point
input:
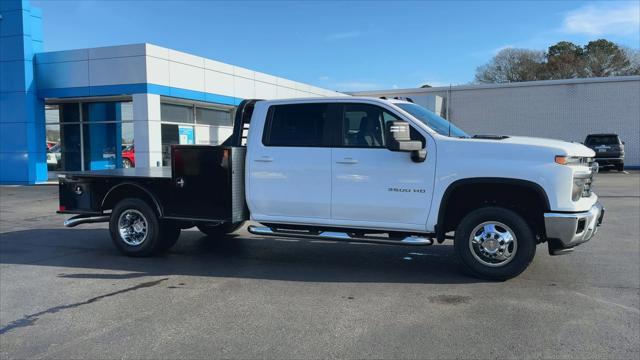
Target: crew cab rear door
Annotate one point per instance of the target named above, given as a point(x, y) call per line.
point(289, 164)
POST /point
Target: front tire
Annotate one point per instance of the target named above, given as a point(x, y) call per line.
point(494, 243)
point(620, 167)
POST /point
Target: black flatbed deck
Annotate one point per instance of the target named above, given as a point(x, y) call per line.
point(147, 173)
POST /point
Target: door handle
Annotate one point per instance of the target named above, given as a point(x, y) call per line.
point(264, 159)
point(347, 161)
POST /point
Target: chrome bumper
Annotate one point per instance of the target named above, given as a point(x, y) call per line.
point(574, 228)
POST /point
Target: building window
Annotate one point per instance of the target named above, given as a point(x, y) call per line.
point(88, 135)
point(176, 113)
point(174, 134)
point(213, 117)
point(193, 123)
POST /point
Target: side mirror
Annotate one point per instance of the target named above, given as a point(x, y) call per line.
point(398, 134)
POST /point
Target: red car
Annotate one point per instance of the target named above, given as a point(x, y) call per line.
point(129, 157)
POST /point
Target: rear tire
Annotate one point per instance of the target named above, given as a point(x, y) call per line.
point(170, 235)
point(217, 231)
point(494, 243)
point(135, 228)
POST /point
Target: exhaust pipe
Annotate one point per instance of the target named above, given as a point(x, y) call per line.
point(85, 219)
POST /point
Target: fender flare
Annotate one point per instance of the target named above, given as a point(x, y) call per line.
point(153, 198)
point(439, 228)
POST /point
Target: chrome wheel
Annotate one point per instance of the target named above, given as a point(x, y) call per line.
point(493, 243)
point(132, 226)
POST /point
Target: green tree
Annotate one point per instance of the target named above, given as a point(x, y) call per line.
point(604, 58)
point(565, 60)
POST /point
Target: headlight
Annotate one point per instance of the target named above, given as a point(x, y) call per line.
point(581, 186)
point(578, 188)
point(572, 160)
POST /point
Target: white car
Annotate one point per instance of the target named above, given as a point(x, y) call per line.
point(361, 170)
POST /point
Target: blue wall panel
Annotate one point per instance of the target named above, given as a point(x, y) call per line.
point(128, 89)
point(16, 76)
point(15, 107)
point(12, 48)
point(22, 125)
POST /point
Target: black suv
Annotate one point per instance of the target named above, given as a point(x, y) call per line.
point(609, 149)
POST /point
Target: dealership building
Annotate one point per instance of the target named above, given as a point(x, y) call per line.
point(85, 109)
point(119, 106)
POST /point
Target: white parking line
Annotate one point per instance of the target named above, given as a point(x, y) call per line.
point(634, 310)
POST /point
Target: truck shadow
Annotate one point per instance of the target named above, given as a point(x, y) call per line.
point(87, 251)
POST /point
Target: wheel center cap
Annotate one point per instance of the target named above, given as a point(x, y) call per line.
point(138, 227)
point(490, 244)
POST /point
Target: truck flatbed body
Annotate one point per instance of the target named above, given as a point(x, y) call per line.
point(204, 184)
point(138, 172)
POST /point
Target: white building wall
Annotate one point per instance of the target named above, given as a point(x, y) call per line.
point(563, 109)
point(86, 72)
point(147, 63)
point(147, 130)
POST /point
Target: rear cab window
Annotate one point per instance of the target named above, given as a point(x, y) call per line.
point(298, 125)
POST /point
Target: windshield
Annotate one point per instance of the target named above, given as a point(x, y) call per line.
point(438, 124)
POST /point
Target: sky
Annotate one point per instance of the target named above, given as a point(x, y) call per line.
point(339, 45)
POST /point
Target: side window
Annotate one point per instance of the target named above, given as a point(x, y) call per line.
point(302, 125)
point(414, 134)
point(363, 125)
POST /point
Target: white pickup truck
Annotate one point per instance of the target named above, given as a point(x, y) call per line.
point(356, 169)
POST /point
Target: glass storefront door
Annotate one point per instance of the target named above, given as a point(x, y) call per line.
point(70, 137)
point(102, 146)
point(89, 135)
point(70, 148)
point(102, 135)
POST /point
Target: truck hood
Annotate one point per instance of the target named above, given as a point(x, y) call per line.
point(561, 147)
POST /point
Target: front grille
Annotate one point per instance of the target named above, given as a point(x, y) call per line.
point(586, 190)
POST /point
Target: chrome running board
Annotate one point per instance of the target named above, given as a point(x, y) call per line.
point(339, 236)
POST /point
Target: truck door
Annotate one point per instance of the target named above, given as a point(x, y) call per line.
point(289, 167)
point(373, 186)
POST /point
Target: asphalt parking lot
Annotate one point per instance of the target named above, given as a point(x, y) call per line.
point(67, 293)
